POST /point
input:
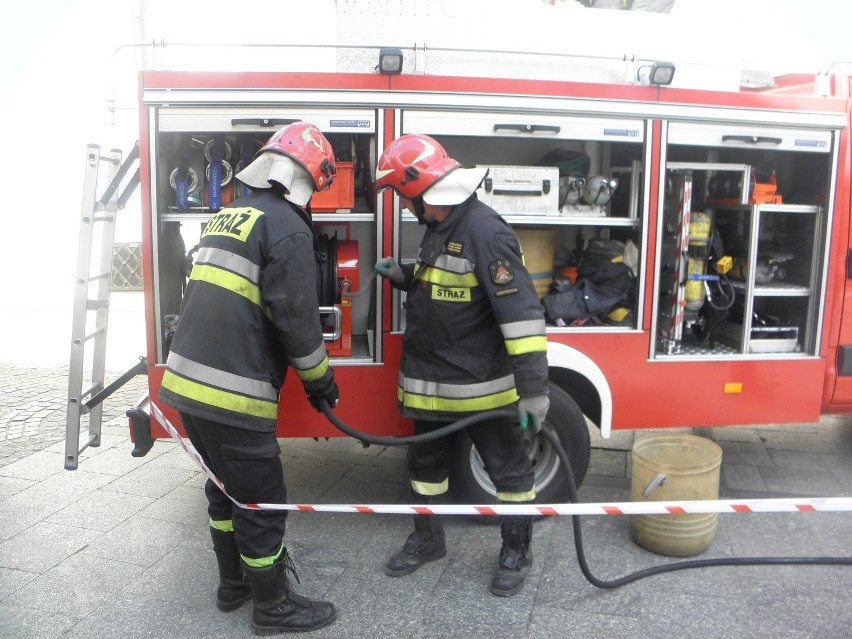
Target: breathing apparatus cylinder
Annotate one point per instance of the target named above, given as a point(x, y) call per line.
point(699, 249)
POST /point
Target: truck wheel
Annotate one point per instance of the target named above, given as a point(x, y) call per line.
point(470, 483)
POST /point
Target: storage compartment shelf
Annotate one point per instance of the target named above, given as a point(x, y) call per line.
point(572, 220)
point(776, 289)
point(204, 214)
point(702, 351)
point(558, 220)
point(361, 353)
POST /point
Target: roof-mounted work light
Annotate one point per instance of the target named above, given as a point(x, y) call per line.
point(661, 74)
point(390, 61)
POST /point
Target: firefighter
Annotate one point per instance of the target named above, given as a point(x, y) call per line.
point(474, 341)
point(251, 311)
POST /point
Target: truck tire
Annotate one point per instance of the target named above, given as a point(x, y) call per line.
point(470, 484)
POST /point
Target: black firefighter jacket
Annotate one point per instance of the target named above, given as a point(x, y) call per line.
point(475, 332)
point(249, 311)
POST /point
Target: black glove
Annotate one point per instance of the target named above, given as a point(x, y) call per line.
point(329, 393)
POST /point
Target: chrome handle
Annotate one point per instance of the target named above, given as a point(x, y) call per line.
point(338, 322)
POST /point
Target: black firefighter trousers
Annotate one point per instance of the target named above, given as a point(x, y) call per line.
point(500, 444)
point(248, 464)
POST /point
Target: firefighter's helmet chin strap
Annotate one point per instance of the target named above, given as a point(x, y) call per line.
point(419, 210)
point(303, 212)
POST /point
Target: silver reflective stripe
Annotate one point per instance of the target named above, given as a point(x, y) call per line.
point(309, 361)
point(456, 391)
point(454, 264)
point(230, 261)
point(527, 328)
point(221, 379)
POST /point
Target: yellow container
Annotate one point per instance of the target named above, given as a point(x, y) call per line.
point(538, 246)
point(675, 468)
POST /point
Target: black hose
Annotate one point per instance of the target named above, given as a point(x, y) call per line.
point(729, 300)
point(411, 439)
point(553, 438)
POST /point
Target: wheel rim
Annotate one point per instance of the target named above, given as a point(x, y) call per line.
point(543, 458)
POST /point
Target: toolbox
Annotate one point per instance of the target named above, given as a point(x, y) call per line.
point(521, 190)
point(341, 193)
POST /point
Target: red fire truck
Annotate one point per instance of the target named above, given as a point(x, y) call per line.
point(730, 210)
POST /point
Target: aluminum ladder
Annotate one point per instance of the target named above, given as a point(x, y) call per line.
point(91, 296)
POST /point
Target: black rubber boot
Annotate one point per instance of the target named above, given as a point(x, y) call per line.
point(427, 543)
point(234, 589)
point(276, 608)
point(515, 555)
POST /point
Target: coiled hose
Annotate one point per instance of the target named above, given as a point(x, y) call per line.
point(553, 438)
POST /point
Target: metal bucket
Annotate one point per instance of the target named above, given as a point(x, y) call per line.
point(675, 468)
point(538, 246)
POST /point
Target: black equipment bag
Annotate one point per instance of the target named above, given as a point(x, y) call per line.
point(600, 287)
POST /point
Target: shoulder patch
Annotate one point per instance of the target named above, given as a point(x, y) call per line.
point(454, 247)
point(501, 272)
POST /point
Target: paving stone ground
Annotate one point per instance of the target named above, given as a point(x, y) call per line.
point(33, 407)
point(120, 548)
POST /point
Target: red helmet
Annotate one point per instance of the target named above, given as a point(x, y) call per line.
point(307, 145)
point(411, 164)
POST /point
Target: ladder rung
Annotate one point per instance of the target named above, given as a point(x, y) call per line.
point(119, 176)
point(95, 334)
point(99, 276)
point(88, 391)
point(91, 440)
point(96, 305)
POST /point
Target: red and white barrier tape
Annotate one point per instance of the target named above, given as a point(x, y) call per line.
point(815, 504)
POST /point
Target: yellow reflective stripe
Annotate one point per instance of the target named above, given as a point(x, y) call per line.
point(308, 362)
point(262, 562)
point(523, 345)
point(311, 374)
point(231, 282)
point(430, 488)
point(227, 280)
point(527, 496)
point(445, 278)
point(476, 404)
point(225, 525)
point(219, 398)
